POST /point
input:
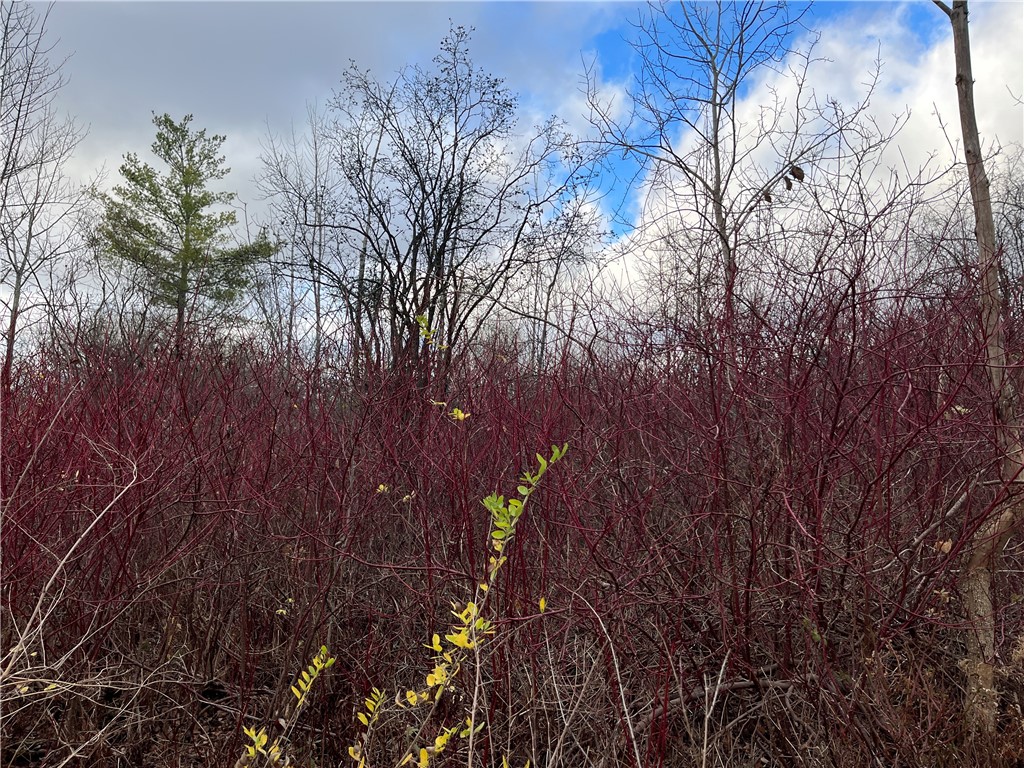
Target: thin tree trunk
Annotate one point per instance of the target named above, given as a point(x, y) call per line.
point(181, 300)
point(983, 555)
point(362, 353)
point(12, 329)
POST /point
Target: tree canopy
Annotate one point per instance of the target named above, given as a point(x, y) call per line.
point(174, 227)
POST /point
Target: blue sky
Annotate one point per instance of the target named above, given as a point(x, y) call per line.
point(243, 68)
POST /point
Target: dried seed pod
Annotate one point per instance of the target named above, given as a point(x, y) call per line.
point(767, 197)
point(789, 184)
point(797, 172)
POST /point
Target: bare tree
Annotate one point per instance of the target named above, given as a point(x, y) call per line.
point(716, 169)
point(301, 181)
point(37, 201)
point(444, 204)
point(988, 543)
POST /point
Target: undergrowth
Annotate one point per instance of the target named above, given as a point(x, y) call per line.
point(741, 564)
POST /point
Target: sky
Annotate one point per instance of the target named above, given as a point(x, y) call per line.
point(244, 69)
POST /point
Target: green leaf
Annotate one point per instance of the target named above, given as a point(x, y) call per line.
point(543, 465)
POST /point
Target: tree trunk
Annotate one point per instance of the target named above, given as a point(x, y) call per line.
point(12, 328)
point(181, 300)
point(983, 555)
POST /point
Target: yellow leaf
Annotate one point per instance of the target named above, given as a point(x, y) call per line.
point(440, 675)
point(460, 640)
point(543, 604)
point(363, 719)
point(424, 760)
point(411, 697)
point(296, 692)
point(259, 738)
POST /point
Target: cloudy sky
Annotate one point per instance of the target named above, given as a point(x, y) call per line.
point(244, 68)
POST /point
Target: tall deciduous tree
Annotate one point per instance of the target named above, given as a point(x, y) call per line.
point(36, 198)
point(302, 183)
point(174, 227)
point(438, 201)
point(716, 167)
point(983, 557)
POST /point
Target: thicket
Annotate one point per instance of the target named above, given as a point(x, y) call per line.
point(752, 552)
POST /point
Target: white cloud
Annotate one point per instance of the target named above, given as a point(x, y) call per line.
point(916, 82)
point(237, 66)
